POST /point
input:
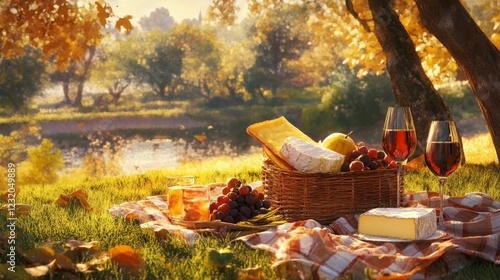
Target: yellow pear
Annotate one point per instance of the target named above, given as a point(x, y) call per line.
point(340, 143)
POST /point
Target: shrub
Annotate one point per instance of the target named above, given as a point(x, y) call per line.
point(42, 165)
point(347, 103)
point(462, 101)
point(13, 148)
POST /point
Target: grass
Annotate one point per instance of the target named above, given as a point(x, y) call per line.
point(48, 223)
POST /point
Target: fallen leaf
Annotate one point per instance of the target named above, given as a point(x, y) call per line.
point(39, 270)
point(64, 262)
point(83, 201)
point(250, 273)
point(73, 244)
point(63, 199)
point(128, 258)
point(79, 195)
point(9, 195)
point(200, 137)
point(41, 255)
point(18, 209)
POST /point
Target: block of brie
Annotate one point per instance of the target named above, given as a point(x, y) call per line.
point(403, 223)
point(308, 157)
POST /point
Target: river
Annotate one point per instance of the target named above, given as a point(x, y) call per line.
point(138, 155)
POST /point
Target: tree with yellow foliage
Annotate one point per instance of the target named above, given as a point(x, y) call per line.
point(63, 29)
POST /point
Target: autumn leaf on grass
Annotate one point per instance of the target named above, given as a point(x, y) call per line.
point(18, 209)
point(129, 259)
point(41, 260)
point(80, 250)
point(9, 195)
point(78, 195)
point(63, 262)
point(73, 244)
point(39, 270)
point(254, 273)
point(40, 255)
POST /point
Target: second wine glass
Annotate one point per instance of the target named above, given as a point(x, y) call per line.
point(443, 155)
point(399, 139)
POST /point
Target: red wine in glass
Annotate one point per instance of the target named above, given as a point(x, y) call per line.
point(399, 144)
point(399, 139)
point(443, 158)
point(443, 154)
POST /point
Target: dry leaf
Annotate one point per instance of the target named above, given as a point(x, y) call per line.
point(79, 195)
point(41, 255)
point(64, 262)
point(200, 137)
point(128, 258)
point(73, 244)
point(250, 273)
point(39, 270)
point(63, 199)
point(9, 195)
point(83, 201)
point(19, 208)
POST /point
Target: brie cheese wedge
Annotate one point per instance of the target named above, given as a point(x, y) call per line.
point(308, 157)
point(404, 223)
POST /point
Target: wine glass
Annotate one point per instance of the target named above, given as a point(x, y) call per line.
point(443, 155)
point(399, 139)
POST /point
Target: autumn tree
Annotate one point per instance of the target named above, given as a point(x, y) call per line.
point(159, 18)
point(202, 56)
point(154, 60)
point(20, 79)
point(54, 26)
point(111, 73)
point(74, 77)
point(282, 39)
point(66, 32)
point(236, 60)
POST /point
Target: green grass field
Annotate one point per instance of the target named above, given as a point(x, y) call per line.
point(51, 225)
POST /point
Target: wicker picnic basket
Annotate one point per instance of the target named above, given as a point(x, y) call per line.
point(326, 196)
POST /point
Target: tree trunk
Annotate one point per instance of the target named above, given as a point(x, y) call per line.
point(79, 94)
point(67, 99)
point(474, 53)
point(412, 87)
point(89, 59)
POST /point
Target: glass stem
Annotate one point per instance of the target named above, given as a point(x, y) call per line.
point(441, 192)
point(398, 186)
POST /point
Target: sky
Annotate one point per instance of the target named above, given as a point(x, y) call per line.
point(179, 9)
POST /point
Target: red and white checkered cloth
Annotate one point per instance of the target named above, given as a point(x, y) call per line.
point(309, 250)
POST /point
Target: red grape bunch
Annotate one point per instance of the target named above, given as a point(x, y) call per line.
point(364, 158)
point(238, 202)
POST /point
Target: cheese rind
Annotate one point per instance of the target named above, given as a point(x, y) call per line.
point(308, 157)
point(405, 223)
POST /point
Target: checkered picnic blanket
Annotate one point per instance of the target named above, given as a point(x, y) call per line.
point(309, 250)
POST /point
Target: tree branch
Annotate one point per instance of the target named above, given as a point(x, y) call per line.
point(350, 8)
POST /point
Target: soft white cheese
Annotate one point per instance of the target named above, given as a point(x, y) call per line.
point(404, 223)
point(308, 157)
